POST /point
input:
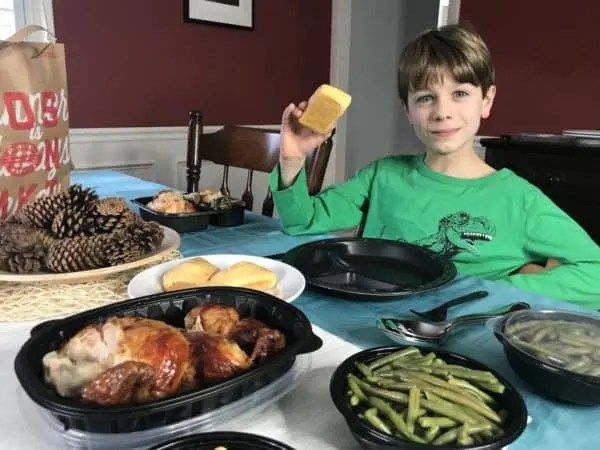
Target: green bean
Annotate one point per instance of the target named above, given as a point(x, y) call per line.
point(472, 373)
point(395, 396)
point(496, 388)
point(476, 429)
point(478, 407)
point(416, 377)
point(579, 365)
point(355, 388)
point(371, 416)
point(447, 438)
point(450, 412)
point(541, 334)
point(393, 356)
point(424, 399)
point(431, 433)
point(395, 418)
point(442, 422)
point(484, 396)
point(465, 440)
point(363, 369)
point(577, 341)
point(413, 405)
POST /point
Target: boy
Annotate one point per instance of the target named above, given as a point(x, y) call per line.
point(493, 224)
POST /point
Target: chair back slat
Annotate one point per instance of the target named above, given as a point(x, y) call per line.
point(248, 196)
point(225, 182)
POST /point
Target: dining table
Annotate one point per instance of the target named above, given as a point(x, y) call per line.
point(305, 417)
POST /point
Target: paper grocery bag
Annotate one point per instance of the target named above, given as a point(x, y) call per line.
point(35, 158)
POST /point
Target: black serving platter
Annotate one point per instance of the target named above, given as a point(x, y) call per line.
point(371, 439)
point(365, 267)
point(171, 308)
point(229, 439)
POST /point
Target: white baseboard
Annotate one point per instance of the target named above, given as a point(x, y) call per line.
point(155, 154)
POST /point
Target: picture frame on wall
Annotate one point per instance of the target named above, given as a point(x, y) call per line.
point(229, 13)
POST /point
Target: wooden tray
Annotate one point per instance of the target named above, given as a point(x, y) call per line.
point(169, 244)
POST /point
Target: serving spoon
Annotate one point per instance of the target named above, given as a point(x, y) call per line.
point(421, 331)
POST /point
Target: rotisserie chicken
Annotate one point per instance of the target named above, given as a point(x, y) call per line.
point(127, 346)
point(132, 360)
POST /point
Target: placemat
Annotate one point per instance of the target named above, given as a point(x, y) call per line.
point(22, 302)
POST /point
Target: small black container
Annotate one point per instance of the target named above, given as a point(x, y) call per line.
point(545, 379)
point(371, 439)
point(182, 223)
point(230, 217)
point(228, 439)
point(169, 307)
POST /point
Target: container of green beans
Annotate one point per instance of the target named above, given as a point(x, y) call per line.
point(556, 352)
point(411, 397)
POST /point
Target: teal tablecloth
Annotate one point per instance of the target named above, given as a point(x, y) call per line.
point(554, 426)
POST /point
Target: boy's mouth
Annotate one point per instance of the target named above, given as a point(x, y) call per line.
point(445, 133)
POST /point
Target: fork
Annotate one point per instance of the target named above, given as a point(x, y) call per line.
point(440, 313)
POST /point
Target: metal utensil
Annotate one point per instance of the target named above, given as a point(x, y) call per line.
point(420, 331)
point(440, 313)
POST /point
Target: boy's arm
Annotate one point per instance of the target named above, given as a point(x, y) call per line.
point(338, 207)
point(551, 233)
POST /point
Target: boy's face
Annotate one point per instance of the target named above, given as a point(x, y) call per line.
point(446, 116)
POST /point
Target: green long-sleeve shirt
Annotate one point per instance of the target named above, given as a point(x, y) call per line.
point(490, 226)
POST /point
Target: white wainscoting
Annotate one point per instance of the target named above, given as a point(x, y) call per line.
point(155, 154)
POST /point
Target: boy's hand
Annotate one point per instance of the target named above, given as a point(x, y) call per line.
point(296, 141)
point(531, 268)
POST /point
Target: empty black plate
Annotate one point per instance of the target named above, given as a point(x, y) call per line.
point(370, 267)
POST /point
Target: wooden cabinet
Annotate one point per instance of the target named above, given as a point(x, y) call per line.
point(565, 168)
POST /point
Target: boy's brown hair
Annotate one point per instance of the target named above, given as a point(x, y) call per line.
point(459, 49)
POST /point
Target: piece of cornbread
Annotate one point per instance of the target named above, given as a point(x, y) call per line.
point(325, 107)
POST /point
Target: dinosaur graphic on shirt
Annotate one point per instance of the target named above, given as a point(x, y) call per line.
point(457, 233)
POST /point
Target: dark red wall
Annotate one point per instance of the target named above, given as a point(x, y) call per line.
point(547, 63)
point(135, 63)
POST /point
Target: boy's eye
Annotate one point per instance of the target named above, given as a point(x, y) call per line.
point(461, 93)
point(424, 98)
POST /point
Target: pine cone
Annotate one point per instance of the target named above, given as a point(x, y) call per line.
point(110, 214)
point(134, 242)
point(26, 262)
point(79, 197)
point(70, 223)
point(79, 253)
point(41, 212)
point(102, 250)
point(22, 249)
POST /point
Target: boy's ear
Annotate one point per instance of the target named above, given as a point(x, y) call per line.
point(405, 109)
point(488, 101)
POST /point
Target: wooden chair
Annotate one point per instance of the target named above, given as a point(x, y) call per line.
point(252, 149)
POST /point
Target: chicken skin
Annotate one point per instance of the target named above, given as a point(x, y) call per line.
point(253, 336)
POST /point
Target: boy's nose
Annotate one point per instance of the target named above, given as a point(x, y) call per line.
point(441, 110)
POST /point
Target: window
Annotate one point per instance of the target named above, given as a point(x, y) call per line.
point(15, 14)
point(7, 18)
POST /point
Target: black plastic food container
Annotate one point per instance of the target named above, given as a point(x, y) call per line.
point(372, 439)
point(229, 217)
point(228, 439)
point(182, 223)
point(547, 380)
point(170, 307)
